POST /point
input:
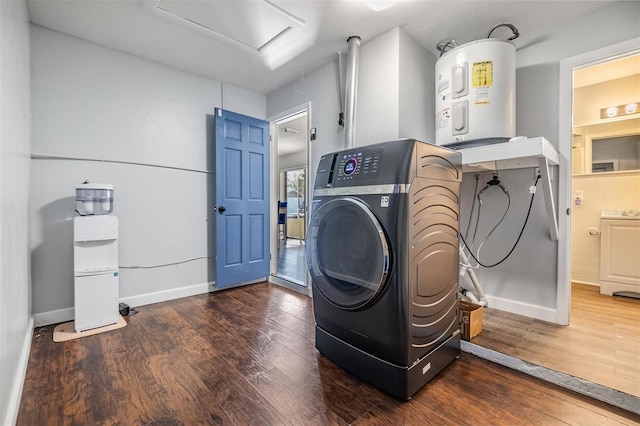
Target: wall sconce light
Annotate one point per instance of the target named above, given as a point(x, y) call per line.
point(290, 130)
point(616, 111)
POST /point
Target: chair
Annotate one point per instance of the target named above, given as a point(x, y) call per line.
point(282, 222)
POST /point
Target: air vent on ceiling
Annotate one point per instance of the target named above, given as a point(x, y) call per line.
point(246, 24)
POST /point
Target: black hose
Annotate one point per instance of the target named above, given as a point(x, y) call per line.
point(517, 241)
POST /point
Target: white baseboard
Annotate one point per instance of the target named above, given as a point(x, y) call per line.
point(53, 317)
point(67, 314)
point(18, 380)
point(586, 283)
point(165, 295)
point(521, 308)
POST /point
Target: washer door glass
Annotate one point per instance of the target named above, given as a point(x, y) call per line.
point(347, 253)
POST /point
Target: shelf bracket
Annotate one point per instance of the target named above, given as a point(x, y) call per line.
point(518, 154)
point(547, 191)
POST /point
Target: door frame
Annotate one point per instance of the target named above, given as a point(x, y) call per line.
point(565, 142)
point(275, 179)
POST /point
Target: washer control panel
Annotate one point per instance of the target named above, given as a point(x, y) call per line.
point(358, 164)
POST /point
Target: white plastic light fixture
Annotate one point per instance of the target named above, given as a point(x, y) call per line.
point(379, 5)
point(631, 108)
point(620, 110)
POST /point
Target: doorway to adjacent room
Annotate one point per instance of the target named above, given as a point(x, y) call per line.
point(291, 227)
point(290, 137)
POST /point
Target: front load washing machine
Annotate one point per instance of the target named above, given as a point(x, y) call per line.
point(382, 251)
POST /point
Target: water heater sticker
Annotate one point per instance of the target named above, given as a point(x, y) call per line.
point(482, 96)
point(443, 86)
point(443, 118)
point(384, 201)
point(482, 74)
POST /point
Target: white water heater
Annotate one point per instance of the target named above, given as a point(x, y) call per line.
point(476, 93)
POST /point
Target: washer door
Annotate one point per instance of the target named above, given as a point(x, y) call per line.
point(347, 253)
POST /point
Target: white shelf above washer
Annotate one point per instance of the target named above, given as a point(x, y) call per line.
point(519, 153)
point(515, 154)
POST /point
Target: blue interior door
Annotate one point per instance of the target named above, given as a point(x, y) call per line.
point(242, 198)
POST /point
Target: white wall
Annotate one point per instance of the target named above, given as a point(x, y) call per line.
point(417, 90)
point(526, 282)
point(589, 100)
point(15, 146)
point(538, 61)
point(602, 191)
point(321, 89)
point(293, 161)
point(396, 90)
point(97, 103)
point(378, 100)
point(387, 107)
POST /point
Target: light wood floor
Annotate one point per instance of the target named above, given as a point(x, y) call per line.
point(601, 344)
point(246, 356)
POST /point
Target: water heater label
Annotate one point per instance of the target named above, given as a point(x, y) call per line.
point(443, 118)
point(482, 74)
point(482, 96)
point(443, 86)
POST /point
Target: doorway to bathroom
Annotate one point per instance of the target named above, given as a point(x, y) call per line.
point(605, 165)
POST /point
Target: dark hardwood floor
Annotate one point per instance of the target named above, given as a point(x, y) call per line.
point(246, 356)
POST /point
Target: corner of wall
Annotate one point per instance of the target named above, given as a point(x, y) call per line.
point(16, 324)
point(378, 89)
point(416, 90)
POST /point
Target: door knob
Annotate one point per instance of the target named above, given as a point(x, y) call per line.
point(222, 209)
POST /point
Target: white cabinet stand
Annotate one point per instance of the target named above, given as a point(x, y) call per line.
point(620, 255)
point(95, 258)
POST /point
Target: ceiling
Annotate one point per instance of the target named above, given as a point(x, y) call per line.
point(262, 45)
point(606, 71)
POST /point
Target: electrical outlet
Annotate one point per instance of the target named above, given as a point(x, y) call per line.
point(550, 173)
point(578, 197)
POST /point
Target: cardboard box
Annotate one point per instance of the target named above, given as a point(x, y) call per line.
point(470, 319)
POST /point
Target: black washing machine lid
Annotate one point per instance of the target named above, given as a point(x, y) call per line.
point(347, 253)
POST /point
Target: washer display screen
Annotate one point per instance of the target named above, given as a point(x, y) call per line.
point(360, 164)
point(350, 166)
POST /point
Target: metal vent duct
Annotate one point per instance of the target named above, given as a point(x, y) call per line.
point(351, 92)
